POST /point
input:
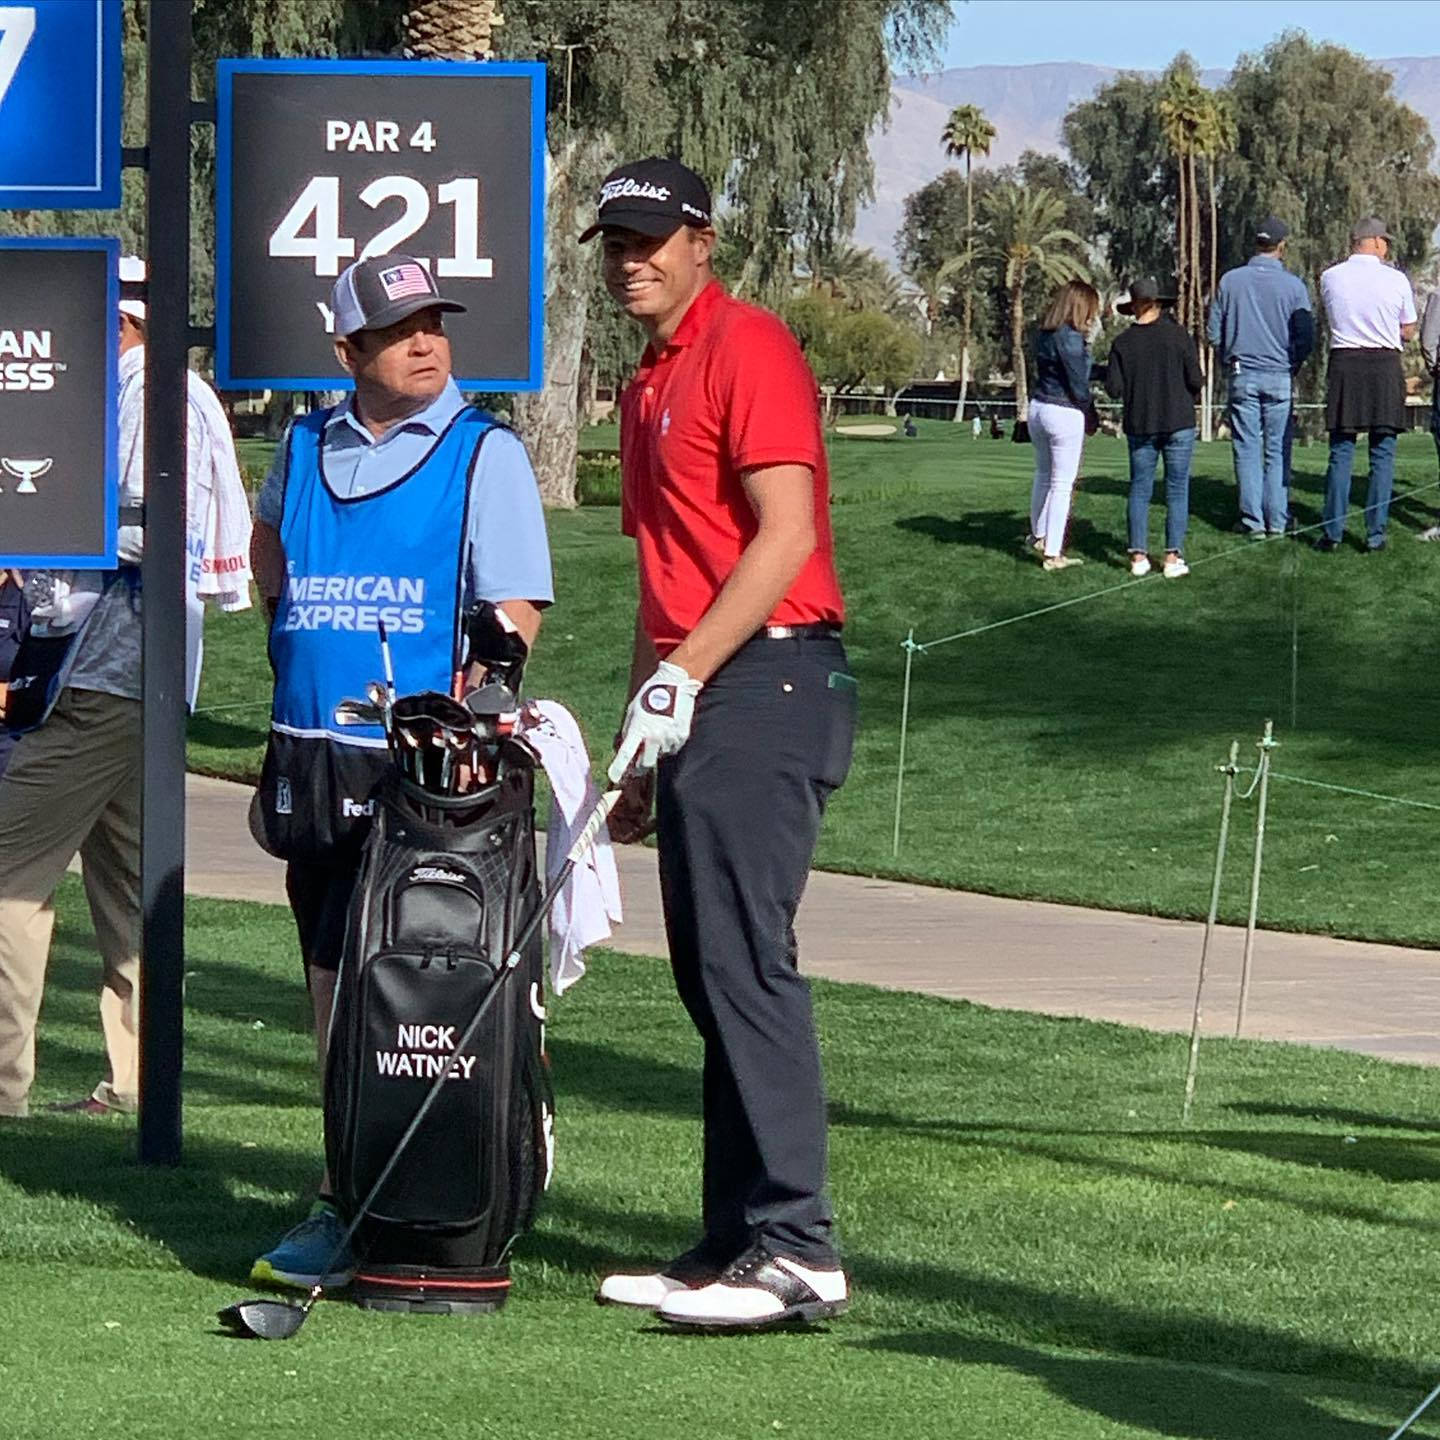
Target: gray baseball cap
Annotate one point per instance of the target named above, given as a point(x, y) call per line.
point(1372, 227)
point(380, 291)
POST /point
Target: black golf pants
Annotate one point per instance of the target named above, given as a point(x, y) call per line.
point(739, 811)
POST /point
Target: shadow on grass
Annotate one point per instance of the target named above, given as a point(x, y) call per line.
point(1361, 1119)
point(202, 729)
point(1189, 1401)
point(200, 1212)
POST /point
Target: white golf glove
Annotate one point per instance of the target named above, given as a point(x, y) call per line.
point(130, 544)
point(657, 722)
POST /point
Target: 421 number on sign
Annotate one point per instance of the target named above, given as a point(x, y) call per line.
point(317, 211)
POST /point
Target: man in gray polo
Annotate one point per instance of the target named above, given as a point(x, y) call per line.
point(1263, 331)
point(1371, 310)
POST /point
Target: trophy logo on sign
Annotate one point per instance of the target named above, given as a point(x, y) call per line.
point(26, 472)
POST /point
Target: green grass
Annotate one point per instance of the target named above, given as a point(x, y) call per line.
point(1037, 1247)
point(1069, 756)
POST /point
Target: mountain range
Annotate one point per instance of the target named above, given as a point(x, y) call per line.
point(1026, 104)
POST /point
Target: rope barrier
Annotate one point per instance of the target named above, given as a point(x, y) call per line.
point(912, 647)
point(1345, 790)
point(1244, 548)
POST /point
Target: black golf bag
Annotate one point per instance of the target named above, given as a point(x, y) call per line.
point(446, 884)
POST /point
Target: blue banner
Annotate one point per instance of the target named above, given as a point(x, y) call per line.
point(60, 80)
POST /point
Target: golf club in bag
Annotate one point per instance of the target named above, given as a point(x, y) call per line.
point(271, 1319)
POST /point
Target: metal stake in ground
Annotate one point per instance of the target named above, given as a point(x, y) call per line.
point(280, 1319)
point(1265, 745)
point(910, 648)
point(1229, 770)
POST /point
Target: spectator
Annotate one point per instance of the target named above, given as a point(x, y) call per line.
point(73, 785)
point(1430, 348)
point(13, 616)
point(1263, 332)
point(1155, 373)
point(1371, 310)
point(1061, 413)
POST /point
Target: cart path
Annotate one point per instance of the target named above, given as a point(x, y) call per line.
point(1020, 954)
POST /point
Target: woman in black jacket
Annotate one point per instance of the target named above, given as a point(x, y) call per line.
point(1155, 372)
point(1060, 405)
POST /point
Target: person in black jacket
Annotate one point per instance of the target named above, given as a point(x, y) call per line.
point(1155, 372)
point(14, 615)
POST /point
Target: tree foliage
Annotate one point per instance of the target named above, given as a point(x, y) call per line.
point(1321, 141)
point(1118, 145)
point(852, 348)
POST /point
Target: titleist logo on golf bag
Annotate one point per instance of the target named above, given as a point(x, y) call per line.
point(424, 1051)
point(353, 809)
point(356, 602)
point(434, 872)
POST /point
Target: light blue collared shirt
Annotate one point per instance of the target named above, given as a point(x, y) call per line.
point(507, 550)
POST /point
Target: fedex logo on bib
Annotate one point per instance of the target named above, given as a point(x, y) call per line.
point(355, 602)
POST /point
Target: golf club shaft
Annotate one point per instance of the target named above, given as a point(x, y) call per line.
point(583, 841)
point(1416, 1413)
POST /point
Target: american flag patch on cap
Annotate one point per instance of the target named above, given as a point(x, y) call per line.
point(400, 281)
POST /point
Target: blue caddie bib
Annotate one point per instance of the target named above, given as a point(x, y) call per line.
point(394, 557)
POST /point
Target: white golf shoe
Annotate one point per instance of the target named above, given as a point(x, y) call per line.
point(758, 1290)
point(693, 1269)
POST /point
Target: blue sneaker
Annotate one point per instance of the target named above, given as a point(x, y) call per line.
point(295, 1262)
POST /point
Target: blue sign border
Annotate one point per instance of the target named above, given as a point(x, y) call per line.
point(107, 558)
point(226, 70)
point(105, 193)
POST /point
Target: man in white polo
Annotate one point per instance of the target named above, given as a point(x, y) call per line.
point(1371, 310)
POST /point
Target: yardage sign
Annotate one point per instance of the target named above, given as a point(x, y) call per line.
point(325, 162)
point(59, 303)
point(59, 104)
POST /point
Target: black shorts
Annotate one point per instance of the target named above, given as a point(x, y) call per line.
point(320, 894)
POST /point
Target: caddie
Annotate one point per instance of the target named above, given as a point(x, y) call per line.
point(403, 506)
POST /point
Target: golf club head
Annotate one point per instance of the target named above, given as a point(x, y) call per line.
point(263, 1319)
point(495, 643)
point(358, 712)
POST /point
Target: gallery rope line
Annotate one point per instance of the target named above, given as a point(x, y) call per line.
point(1345, 790)
point(238, 705)
point(1244, 548)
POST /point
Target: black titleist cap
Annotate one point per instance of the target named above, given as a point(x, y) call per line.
point(654, 197)
point(1271, 231)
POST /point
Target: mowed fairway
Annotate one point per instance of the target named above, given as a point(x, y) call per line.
point(1038, 1248)
point(1068, 756)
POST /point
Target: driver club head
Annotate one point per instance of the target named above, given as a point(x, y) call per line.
point(263, 1319)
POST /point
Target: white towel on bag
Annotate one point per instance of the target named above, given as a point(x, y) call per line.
point(590, 901)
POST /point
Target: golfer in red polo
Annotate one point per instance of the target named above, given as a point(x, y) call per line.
point(740, 726)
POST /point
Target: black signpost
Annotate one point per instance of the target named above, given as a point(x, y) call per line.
point(58, 355)
point(321, 162)
point(167, 342)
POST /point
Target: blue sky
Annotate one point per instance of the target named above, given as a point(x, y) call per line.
point(1145, 34)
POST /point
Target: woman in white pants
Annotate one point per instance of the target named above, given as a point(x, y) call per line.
point(1059, 407)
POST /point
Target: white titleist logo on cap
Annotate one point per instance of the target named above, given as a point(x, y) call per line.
point(629, 189)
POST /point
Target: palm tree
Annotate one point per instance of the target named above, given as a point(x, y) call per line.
point(451, 29)
point(1185, 115)
point(859, 279)
point(1023, 232)
point(967, 132)
point(1216, 137)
